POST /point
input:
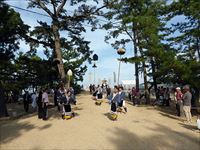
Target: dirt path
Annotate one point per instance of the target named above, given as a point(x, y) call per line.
point(141, 128)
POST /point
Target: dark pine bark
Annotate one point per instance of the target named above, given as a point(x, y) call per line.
point(136, 63)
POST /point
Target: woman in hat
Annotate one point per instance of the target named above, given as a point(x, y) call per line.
point(179, 102)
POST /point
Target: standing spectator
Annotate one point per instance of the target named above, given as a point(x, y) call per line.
point(134, 94)
point(167, 96)
point(39, 103)
point(179, 103)
point(26, 98)
point(56, 97)
point(34, 98)
point(129, 94)
point(45, 101)
point(187, 97)
point(72, 96)
point(108, 91)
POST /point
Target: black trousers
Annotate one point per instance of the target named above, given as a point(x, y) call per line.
point(45, 111)
point(113, 107)
point(40, 111)
point(26, 106)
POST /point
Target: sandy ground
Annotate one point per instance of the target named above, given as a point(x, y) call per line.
point(143, 127)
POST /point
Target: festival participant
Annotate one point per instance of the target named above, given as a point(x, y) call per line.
point(61, 96)
point(121, 103)
point(99, 96)
point(67, 111)
point(114, 99)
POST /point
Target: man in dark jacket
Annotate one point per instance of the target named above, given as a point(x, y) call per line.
point(26, 98)
point(39, 103)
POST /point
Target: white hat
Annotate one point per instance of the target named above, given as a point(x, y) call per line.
point(178, 88)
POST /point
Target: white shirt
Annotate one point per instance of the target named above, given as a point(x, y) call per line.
point(45, 98)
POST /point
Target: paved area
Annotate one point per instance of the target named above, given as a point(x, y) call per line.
point(143, 127)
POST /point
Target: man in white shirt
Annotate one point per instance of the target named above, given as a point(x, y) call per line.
point(45, 101)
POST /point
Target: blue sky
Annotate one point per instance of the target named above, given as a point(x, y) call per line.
point(107, 63)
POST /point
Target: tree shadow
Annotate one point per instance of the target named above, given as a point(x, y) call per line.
point(170, 116)
point(161, 138)
point(10, 130)
point(45, 127)
point(190, 127)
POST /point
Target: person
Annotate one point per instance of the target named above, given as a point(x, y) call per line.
point(179, 103)
point(26, 101)
point(56, 97)
point(187, 97)
point(34, 98)
point(121, 103)
point(99, 95)
point(167, 96)
point(67, 111)
point(114, 100)
point(45, 101)
point(39, 103)
point(129, 94)
point(134, 94)
point(72, 96)
point(61, 96)
point(108, 91)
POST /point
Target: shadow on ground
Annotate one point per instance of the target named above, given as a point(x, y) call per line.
point(16, 127)
point(162, 138)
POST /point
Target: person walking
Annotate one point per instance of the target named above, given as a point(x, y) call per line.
point(114, 100)
point(187, 97)
point(26, 101)
point(121, 103)
point(45, 101)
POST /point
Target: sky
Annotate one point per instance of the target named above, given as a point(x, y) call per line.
point(107, 63)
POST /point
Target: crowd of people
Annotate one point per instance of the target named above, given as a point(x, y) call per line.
point(116, 98)
point(63, 98)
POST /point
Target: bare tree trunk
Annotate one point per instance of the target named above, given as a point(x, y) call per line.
point(58, 53)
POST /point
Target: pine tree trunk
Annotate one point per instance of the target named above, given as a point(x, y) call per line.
point(136, 63)
point(58, 53)
point(154, 77)
point(146, 92)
